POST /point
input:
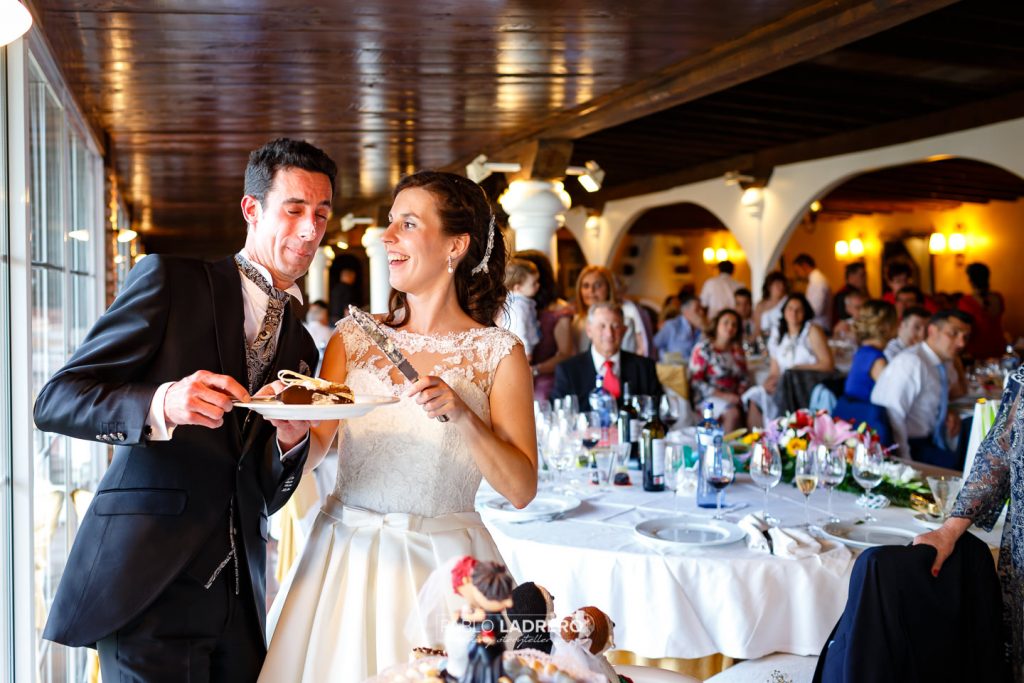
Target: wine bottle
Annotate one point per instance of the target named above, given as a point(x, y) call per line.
point(709, 440)
point(652, 447)
point(627, 421)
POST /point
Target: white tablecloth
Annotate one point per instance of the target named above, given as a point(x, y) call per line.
point(690, 604)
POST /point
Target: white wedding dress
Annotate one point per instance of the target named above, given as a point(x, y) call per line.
point(401, 507)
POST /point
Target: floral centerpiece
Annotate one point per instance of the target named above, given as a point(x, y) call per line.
point(802, 430)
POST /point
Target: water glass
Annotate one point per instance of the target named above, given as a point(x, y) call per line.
point(766, 471)
point(675, 469)
point(604, 457)
point(868, 461)
point(945, 490)
point(806, 477)
point(832, 471)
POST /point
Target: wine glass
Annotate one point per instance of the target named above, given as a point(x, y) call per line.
point(766, 471)
point(718, 473)
point(806, 478)
point(832, 472)
point(668, 410)
point(644, 406)
point(588, 426)
point(867, 470)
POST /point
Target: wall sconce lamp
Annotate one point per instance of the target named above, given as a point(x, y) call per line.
point(842, 250)
point(709, 255)
point(856, 247)
point(815, 206)
point(590, 175)
point(328, 252)
point(15, 21)
point(957, 242)
point(853, 249)
point(712, 255)
point(349, 221)
point(342, 244)
point(593, 224)
point(126, 235)
point(937, 243)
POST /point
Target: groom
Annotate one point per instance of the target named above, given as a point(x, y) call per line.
point(167, 573)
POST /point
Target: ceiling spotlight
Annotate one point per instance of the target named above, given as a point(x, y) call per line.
point(126, 235)
point(80, 235)
point(328, 252)
point(342, 244)
point(349, 221)
point(815, 206)
point(752, 196)
point(590, 175)
point(479, 169)
point(735, 178)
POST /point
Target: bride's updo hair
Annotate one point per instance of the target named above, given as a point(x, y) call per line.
point(464, 210)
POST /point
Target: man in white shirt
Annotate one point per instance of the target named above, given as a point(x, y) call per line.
point(913, 326)
point(818, 292)
point(914, 389)
point(719, 292)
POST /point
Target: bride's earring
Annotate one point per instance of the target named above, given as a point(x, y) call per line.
point(451, 268)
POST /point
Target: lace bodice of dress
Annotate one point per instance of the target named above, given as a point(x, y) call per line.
point(396, 459)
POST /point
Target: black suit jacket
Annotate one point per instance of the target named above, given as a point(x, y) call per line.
point(160, 501)
point(901, 624)
point(578, 376)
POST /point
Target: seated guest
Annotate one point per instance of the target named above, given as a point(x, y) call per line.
point(669, 309)
point(796, 344)
point(856, 275)
point(718, 370)
point(898, 274)
point(745, 308)
point(554, 316)
point(719, 292)
point(768, 311)
point(913, 324)
point(680, 334)
point(578, 375)
point(915, 387)
point(843, 331)
point(874, 326)
point(986, 307)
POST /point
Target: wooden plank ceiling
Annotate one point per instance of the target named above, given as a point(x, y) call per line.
point(656, 91)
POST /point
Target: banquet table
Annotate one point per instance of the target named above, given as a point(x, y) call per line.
point(695, 602)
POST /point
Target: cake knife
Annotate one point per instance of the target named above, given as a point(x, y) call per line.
point(367, 324)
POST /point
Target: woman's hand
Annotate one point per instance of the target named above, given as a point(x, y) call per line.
point(437, 398)
point(943, 540)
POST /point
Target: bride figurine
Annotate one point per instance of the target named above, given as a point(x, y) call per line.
point(403, 501)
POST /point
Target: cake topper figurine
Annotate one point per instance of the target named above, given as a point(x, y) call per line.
point(584, 637)
point(532, 610)
point(487, 590)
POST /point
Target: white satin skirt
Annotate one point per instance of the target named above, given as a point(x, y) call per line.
point(342, 613)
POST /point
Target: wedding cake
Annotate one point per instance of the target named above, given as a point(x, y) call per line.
point(521, 666)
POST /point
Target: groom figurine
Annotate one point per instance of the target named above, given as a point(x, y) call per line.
point(167, 573)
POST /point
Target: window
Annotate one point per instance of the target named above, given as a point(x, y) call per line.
point(64, 227)
point(6, 444)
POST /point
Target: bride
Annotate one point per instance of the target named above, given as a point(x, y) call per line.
point(403, 501)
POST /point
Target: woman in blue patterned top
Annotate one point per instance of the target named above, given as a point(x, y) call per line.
point(997, 474)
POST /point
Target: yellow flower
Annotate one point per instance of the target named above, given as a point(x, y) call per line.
point(795, 445)
point(751, 437)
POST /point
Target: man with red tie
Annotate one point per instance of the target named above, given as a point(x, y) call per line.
point(578, 375)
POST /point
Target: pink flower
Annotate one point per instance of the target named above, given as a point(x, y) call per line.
point(830, 433)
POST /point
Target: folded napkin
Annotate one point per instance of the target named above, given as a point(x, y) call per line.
point(756, 530)
point(793, 543)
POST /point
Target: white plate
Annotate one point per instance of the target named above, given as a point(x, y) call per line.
point(680, 532)
point(544, 506)
point(868, 535)
point(927, 520)
point(363, 403)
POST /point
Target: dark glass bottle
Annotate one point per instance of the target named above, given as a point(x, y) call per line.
point(627, 422)
point(652, 446)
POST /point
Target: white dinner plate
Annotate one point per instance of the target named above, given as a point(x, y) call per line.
point(361, 405)
point(868, 535)
point(926, 520)
point(681, 532)
point(543, 506)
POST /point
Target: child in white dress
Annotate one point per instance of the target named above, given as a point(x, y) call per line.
point(522, 280)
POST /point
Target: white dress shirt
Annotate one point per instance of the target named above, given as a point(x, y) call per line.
point(910, 388)
point(254, 306)
point(820, 297)
point(719, 293)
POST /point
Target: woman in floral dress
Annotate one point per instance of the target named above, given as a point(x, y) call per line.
point(718, 369)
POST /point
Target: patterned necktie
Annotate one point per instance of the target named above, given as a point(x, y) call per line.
point(260, 354)
point(939, 435)
point(611, 382)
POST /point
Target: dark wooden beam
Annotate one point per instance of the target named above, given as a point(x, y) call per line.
point(801, 35)
point(937, 123)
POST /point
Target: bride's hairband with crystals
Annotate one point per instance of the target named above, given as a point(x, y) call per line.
point(487, 253)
